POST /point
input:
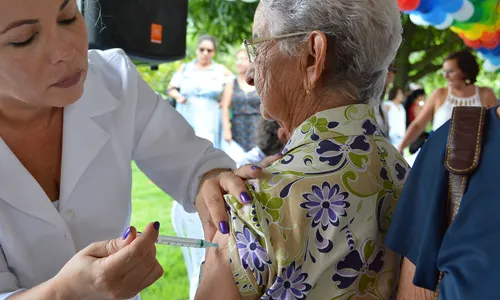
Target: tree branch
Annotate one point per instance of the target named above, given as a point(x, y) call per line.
point(420, 74)
point(434, 52)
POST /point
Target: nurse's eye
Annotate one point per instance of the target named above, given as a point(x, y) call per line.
point(24, 43)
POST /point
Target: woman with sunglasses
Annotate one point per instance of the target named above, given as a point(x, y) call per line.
point(317, 224)
point(203, 90)
point(460, 71)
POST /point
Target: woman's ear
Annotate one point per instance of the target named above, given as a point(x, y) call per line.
point(314, 58)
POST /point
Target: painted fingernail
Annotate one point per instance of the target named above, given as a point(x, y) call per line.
point(277, 154)
point(224, 227)
point(256, 168)
point(126, 233)
point(245, 197)
point(156, 225)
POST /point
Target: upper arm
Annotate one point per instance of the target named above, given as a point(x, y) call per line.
point(406, 289)
point(217, 272)
point(488, 98)
point(176, 79)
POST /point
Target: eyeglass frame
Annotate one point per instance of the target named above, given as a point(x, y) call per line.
point(249, 43)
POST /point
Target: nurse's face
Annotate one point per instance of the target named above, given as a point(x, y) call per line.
point(43, 52)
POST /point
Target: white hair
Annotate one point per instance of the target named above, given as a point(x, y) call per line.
point(364, 34)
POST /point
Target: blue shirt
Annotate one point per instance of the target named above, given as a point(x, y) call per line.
point(469, 252)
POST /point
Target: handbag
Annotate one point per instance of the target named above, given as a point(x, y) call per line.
point(463, 153)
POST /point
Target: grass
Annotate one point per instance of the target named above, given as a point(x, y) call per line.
point(150, 204)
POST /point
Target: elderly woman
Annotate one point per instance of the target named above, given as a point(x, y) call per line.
point(317, 225)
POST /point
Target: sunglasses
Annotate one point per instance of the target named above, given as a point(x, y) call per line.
point(205, 49)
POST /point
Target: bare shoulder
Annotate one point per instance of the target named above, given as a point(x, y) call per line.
point(486, 91)
point(488, 97)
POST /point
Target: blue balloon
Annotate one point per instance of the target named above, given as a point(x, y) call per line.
point(435, 17)
point(426, 6)
point(495, 60)
point(450, 6)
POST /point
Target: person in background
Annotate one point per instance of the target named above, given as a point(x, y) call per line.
point(202, 89)
point(271, 138)
point(245, 104)
point(317, 225)
point(466, 252)
point(380, 112)
point(396, 115)
point(460, 70)
point(413, 106)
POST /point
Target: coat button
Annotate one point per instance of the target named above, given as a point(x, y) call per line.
point(70, 215)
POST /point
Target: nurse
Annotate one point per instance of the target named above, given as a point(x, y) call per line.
point(71, 122)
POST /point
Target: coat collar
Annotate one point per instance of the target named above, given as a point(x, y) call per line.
point(83, 139)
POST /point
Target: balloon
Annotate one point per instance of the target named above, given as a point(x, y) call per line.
point(435, 17)
point(426, 6)
point(450, 6)
point(490, 67)
point(465, 12)
point(446, 23)
point(476, 44)
point(408, 5)
point(418, 20)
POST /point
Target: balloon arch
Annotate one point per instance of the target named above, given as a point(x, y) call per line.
point(477, 22)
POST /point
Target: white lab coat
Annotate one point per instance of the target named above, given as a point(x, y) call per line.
point(117, 120)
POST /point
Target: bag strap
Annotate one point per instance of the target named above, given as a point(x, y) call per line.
point(463, 152)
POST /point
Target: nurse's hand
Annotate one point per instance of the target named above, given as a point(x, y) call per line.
point(210, 200)
point(114, 269)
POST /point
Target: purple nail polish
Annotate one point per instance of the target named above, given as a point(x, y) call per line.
point(277, 154)
point(126, 233)
point(245, 197)
point(256, 168)
point(156, 225)
point(224, 227)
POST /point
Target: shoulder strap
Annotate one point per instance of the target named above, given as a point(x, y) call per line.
point(463, 152)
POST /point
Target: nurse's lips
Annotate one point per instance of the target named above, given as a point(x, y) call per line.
point(69, 80)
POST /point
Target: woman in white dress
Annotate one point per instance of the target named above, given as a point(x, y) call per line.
point(396, 116)
point(460, 70)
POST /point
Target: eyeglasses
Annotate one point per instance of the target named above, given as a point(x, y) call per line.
point(252, 50)
point(205, 49)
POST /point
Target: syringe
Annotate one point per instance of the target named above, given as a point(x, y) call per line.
point(183, 242)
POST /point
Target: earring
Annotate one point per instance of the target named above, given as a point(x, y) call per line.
point(467, 81)
point(308, 92)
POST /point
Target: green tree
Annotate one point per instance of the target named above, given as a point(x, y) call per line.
point(422, 51)
point(229, 21)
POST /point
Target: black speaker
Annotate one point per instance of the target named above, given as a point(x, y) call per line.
point(152, 31)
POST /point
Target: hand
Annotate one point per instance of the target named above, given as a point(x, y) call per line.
point(210, 200)
point(181, 99)
point(114, 269)
point(228, 135)
point(401, 150)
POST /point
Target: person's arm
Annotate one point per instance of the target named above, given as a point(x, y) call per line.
point(225, 105)
point(173, 86)
point(119, 268)
point(488, 98)
point(423, 118)
point(166, 148)
point(217, 269)
point(406, 289)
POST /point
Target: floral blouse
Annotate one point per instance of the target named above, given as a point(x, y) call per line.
point(320, 214)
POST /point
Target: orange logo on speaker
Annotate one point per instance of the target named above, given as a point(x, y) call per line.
point(156, 33)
